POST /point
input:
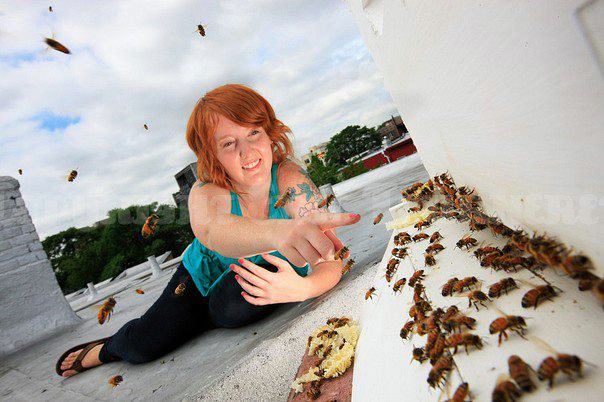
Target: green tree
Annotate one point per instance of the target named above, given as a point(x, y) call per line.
point(322, 174)
point(350, 142)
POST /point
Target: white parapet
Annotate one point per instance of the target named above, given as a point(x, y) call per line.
point(33, 306)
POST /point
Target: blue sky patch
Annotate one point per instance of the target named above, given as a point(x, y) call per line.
point(51, 122)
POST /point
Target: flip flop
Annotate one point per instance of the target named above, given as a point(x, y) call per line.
point(77, 363)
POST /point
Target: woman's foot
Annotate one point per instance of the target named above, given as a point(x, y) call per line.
point(90, 360)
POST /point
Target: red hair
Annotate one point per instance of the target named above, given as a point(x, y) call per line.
point(243, 106)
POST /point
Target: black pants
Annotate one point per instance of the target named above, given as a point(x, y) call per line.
point(172, 320)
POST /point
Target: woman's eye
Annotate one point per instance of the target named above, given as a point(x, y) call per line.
point(255, 132)
point(227, 144)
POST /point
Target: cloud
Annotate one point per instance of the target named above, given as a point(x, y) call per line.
point(136, 63)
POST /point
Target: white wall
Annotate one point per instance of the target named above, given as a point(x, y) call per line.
point(508, 97)
point(32, 305)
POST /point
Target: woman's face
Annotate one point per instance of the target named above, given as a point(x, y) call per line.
point(245, 153)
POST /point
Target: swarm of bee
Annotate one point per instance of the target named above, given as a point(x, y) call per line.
point(105, 310)
point(335, 344)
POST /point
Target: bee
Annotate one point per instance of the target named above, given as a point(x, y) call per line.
point(417, 276)
point(402, 238)
point(436, 376)
point(418, 354)
point(50, 9)
point(287, 196)
point(378, 218)
point(519, 371)
point(314, 390)
point(180, 290)
point(419, 237)
point(419, 308)
point(369, 294)
point(514, 323)
point(436, 236)
point(56, 45)
point(150, 225)
point(431, 341)
point(428, 325)
point(341, 253)
point(398, 285)
point(466, 339)
point(434, 248)
point(72, 175)
point(468, 242)
point(326, 202)
point(145, 126)
point(407, 328)
point(488, 259)
point(140, 291)
point(323, 333)
point(505, 391)
point(466, 282)
point(533, 297)
point(447, 289)
point(429, 260)
point(477, 297)
point(106, 310)
point(457, 323)
point(200, 29)
point(332, 320)
point(414, 209)
point(115, 380)
point(450, 312)
point(422, 224)
point(399, 252)
point(451, 215)
point(569, 364)
point(437, 350)
point(20, 171)
point(341, 322)
point(309, 341)
point(504, 285)
point(418, 289)
point(460, 394)
point(482, 251)
point(349, 264)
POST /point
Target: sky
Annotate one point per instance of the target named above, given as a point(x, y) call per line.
point(141, 62)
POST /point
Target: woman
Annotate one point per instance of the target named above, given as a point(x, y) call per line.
point(245, 164)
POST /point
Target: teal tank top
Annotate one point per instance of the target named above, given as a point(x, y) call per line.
point(208, 267)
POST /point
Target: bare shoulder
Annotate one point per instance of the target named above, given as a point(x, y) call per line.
point(205, 196)
point(304, 195)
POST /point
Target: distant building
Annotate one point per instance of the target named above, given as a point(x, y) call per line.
point(185, 179)
point(393, 128)
point(319, 150)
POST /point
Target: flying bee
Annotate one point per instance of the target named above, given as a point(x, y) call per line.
point(50, 9)
point(519, 371)
point(419, 237)
point(287, 196)
point(418, 354)
point(398, 285)
point(340, 255)
point(466, 282)
point(436, 236)
point(72, 175)
point(115, 380)
point(465, 339)
point(434, 248)
point(476, 297)
point(513, 323)
point(150, 226)
point(505, 285)
point(20, 171)
point(140, 291)
point(145, 126)
point(458, 323)
point(417, 276)
point(407, 329)
point(461, 393)
point(349, 264)
point(369, 294)
point(56, 45)
point(326, 202)
point(505, 391)
point(436, 376)
point(106, 310)
point(533, 297)
point(429, 260)
point(180, 289)
point(200, 29)
point(467, 242)
point(378, 218)
point(447, 289)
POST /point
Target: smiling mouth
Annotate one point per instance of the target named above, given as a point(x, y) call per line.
point(251, 165)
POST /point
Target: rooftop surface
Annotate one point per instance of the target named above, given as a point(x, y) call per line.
point(256, 362)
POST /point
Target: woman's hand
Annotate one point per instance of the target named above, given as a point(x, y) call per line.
point(264, 287)
point(311, 239)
